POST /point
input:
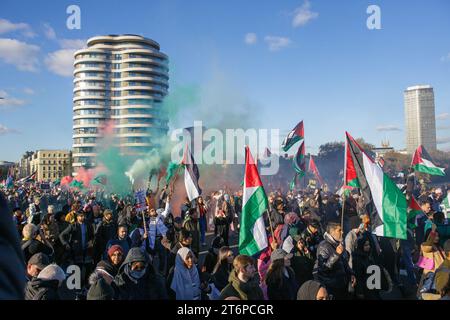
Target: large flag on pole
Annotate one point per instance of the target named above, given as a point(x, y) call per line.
point(297, 134)
point(252, 235)
point(350, 177)
point(191, 175)
point(313, 169)
point(383, 200)
point(421, 162)
point(299, 160)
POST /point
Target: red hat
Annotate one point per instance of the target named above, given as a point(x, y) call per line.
point(113, 249)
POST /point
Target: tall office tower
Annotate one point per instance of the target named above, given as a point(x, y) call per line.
point(119, 85)
point(420, 122)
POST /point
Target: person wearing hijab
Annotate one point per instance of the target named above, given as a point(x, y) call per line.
point(186, 279)
point(312, 290)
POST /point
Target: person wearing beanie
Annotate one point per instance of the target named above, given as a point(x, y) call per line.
point(280, 278)
point(138, 280)
point(100, 290)
point(312, 290)
point(114, 260)
point(45, 285)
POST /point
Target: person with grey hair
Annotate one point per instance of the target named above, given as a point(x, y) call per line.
point(33, 242)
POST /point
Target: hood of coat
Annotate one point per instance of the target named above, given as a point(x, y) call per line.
point(136, 255)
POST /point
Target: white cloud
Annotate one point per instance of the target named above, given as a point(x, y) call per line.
point(20, 54)
point(28, 91)
point(4, 130)
point(60, 62)
point(8, 26)
point(251, 38)
point(443, 140)
point(277, 43)
point(8, 101)
point(72, 43)
point(49, 32)
point(388, 128)
point(443, 116)
point(303, 14)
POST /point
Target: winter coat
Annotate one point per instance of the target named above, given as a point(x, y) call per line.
point(283, 290)
point(40, 289)
point(33, 246)
point(150, 287)
point(72, 236)
point(192, 226)
point(221, 276)
point(244, 291)
point(210, 261)
point(330, 268)
point(12, 266)
point(105, 231)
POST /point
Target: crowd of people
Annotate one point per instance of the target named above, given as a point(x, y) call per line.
point(321, 247)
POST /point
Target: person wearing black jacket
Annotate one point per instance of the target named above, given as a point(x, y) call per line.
point(211, 257)
point(223, 267)
point(12, 265)
point(45, 285)
point(106, 230)
point(138, 280)
point(30, 243)
point(331, 267)
point(78, 238)
point(280, 278)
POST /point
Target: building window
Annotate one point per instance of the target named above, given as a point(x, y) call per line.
point(43, 175)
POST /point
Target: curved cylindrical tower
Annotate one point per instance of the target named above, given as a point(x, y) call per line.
point(119, 80)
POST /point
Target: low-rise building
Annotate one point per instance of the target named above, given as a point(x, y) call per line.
point(51, 165)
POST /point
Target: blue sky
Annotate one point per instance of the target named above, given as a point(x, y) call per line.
point(313, 60)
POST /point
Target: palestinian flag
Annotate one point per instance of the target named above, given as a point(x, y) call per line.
point(344, 190)
point(252, 235)
point(297, 134)
point(421, 162)
point(350, 177)
point(313, 169)
point(31, 177)
point(383, 200)
point(191, 175)
point(299, 160)
point(413, 208)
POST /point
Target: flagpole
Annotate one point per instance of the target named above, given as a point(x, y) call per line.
point(344, 181)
